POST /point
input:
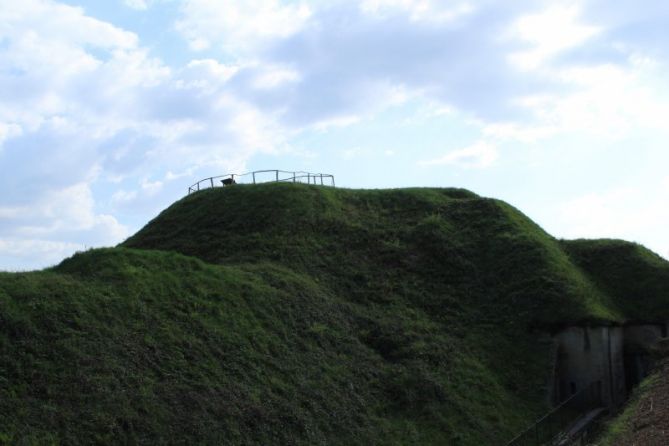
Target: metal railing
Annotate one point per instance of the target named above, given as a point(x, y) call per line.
point(264, 176)
point(550, 428)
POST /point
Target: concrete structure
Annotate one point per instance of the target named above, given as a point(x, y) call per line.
point(614, 357)
point(586, 355)
point(638, 340)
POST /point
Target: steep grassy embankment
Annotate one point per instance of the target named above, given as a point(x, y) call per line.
point(288, 314)
point(636, 278)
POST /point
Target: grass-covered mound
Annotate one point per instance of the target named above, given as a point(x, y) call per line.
point(288, 314)
point(636, 278)
point(445, 250)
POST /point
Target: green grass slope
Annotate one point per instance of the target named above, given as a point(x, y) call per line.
point(636, 278)
point(123, 346)
point(289, 314)
point(445, 250)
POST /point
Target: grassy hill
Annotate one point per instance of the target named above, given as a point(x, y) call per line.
point(636, 278)
point(302, 315)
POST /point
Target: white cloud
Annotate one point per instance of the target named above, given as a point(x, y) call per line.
point(21, 253)
point(337, 122)
point(100, 98)
point(550, 32)
point(606, 101)
point(68, 71)
point(171, 176)
point(597, 214)
point(123, 196)
point(9, 131)
point(628, 213)
point(239, 26)
point(518, 132)
point(479, 155)
point(419, 10)
point(270, 77)
point(55, 225)
point(68, 210)
point(152, 187)
point(32, 18)
point(207, 75)
point(84, 106)
point(140, 5)
point(355, 60)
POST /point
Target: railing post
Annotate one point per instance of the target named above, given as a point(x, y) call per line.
point(321, 179)
point(198, 186)
point(212, 181)
point(254, 178)
point(277, 176)
point(294, 175)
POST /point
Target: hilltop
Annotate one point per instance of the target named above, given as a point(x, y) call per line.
point(294, 314)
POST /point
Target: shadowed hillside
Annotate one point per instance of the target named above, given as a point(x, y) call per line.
point(290, 314)
point(636, 278)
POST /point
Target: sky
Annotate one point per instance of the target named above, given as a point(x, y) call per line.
point(110, 109)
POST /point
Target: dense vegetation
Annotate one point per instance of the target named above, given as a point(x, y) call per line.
point(289, 314)
point(636, 279)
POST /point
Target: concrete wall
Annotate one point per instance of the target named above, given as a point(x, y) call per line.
point(617, 371)
point(617, 357)
point(586, 355)
point(638, 340)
